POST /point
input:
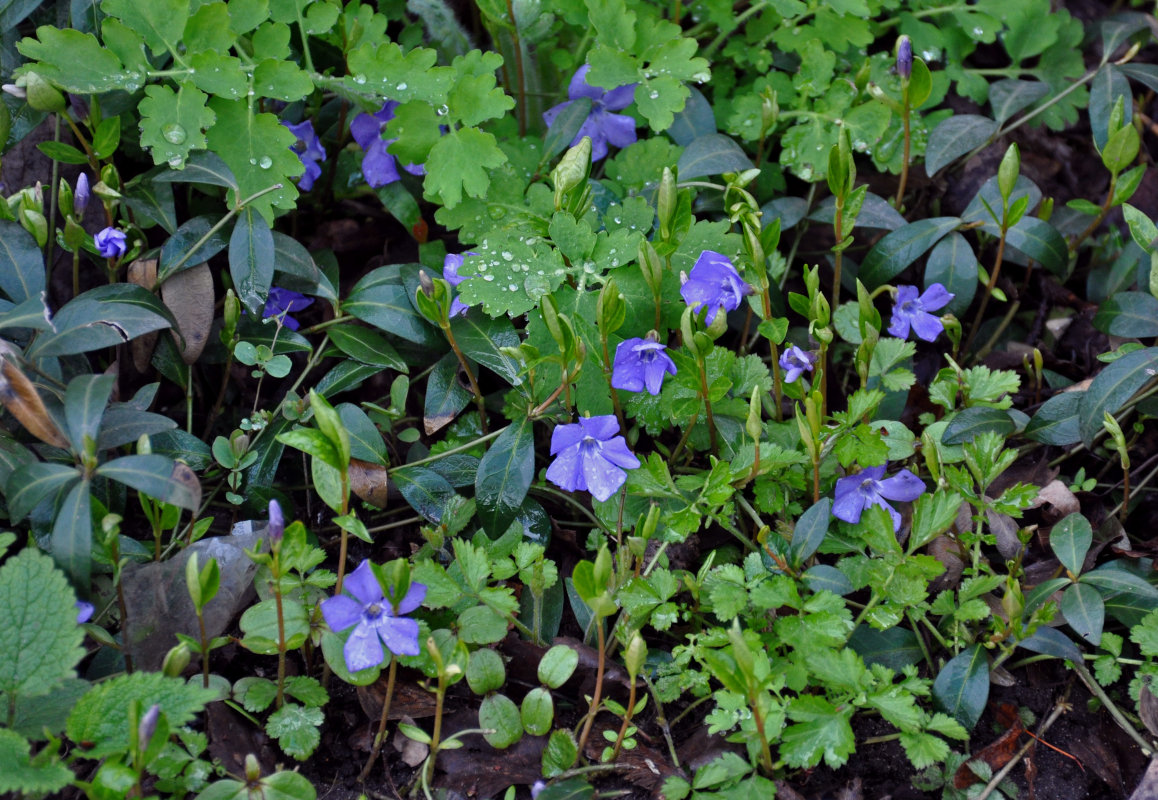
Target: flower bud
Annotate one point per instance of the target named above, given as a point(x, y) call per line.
point(572, 170)
point(148, 725)
point(276, 522)
point(40, 94)
point(81, 196)
point(176, 660)
point(904, 57)
point(667, 203)
point(1008, 171)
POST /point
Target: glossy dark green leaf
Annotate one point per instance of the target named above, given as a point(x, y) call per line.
point(1111, 581)
point(27, 487)
point(810, 531)
point(1052, 642)
point(1116, 30)
point(954, 137)
point(901, 248)
point(251, 259)
point(425, 490)
point(875, 213)
point(1146, 74)
point(1108, 85)
point(445, 394)
point(1056, 422)
point(64, 153)
point(1070, 540)
point(1040, 241)
point(565, 125)
point(293, 259)
point(990, 193)
point(178, 444)
point(971, 422)
point(822, 577)
point(366, 441)
point(103, 317)
point(1129, 314)
point(203, 167)
point(695, 120)
point(504, 476)
point(894, 648)
point(72, 534)
point(157, 476)
point(152, 200)
point(32, 314)
point(713, 154)
point(178, 251)
point(84, 405)
point(380, 299)
point(1112, 387)
point(270, 451)
point(499, 715)
point(480, 337)
point(21, 263)
point(953, 264)
point(344, 375)
point(367, 347)
point(251, 329)
point(962, 687)
point(1007, 97)
point(123, 425)
point(1037, 597)
point(1085, 611)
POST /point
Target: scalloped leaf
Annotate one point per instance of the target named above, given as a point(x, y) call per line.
point(174, 123)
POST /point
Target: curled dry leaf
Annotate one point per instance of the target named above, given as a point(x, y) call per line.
point(184, 475)
point(189, 295)
point(369, 481)
point(19, 397)
point(143, 272)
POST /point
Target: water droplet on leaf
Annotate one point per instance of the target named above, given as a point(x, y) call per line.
point(173, 133)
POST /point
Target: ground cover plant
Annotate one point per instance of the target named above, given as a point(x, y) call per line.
point(565, 399)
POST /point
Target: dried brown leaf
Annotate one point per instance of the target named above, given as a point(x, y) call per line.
point(369, 481)
point(19, 397)
point(189, 295)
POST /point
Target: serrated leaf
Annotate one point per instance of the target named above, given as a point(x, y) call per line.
point(954, 137)
point(20, 775)
point(76, 62)
point(297, 729)
point(658, 99)
point(902, 247)
point(962, 686)
point(256, 148)
point(822, 730)
point(458, 165)
point(510, 276)
point(40, 642)
point(174, 123)
point(159, 22)
point(383, 70)
point(282, 80)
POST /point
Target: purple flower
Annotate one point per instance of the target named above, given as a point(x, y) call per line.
point(911, 310)
point(590, 457)
point(378, 167)
point(276, 521)
point(377, 619)
point(855, 493)
point(641, 363)
point(714, 283)
point(148, 725)
point(309, 150)
point(83, 611)
point(450, 267)
point(282, 301)
point(904, 57)
point(601, 126)
point(111, 243)
point(795, 361)
point(81, 196)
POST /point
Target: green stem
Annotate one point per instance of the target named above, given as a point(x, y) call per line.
point(626, 722)
point(1100, 218)
point(597, 695)
point(381, 736)
point(473, 443)
point(479, 400)
point(521, 78)
point(709, 418)
point(221, 223)
point(988, 289)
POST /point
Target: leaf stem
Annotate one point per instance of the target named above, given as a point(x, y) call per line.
point(381, 735)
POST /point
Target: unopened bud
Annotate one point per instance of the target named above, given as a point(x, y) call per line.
point(904, 57)
point(148, 725)
point(176, 660)
point(426, 283)
point(276, 522)
point(81, 196)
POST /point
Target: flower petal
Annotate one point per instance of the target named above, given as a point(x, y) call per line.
point(603, 477)
point(413, 599)
point(579, 86)
point(601, 427)
point(893, 514)
point(565, 436)
point(620, 97)
point(927, 326)
point(365, 129)
point(565, 471)
point(552, 112)
point(936, 297)
point(363, 650)
point(904, 487)
point(899, 325)
point(341, 612)
point(849, 504)
point(400, 635)
point(618, 128)
point(615, 452)
point(363, 585)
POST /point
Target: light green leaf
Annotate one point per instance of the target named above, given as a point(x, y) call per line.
point(76, 62)
point(256, 148)
point(458, 164)
point(21, 776)
point(174, 123)
point(296, 729)
point(160, 22)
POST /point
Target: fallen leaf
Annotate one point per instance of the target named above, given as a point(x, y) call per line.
point(189, 295)
point(19, 397)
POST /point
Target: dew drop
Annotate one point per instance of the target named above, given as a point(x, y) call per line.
point(401, 87)
point(265, 163)
point(514, 287)
point(253, 162)
point(488, 278)
point(507, 255)
point(173, 133)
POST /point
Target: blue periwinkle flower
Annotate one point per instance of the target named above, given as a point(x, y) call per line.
point(870, 487)
point(909, 310)
point(379, 621)
point(111, 243)
point(283, 301)
point(795, 362)
point(714, 283)
point(81, 196)
point(641, 364)
point(309, 151)
point(276, 522)
point(904, 57)
point(378, 166)
point(83, 611)
point(148, 725)
point(602, 126)
point(450, 267)
point(590, 457)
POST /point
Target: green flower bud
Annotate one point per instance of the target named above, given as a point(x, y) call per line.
point(1008, 171)
point(572, 170)
point(41, 95)
point(650, 265)
point(176, 660)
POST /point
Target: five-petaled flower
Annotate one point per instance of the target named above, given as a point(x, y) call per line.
point(111, 243)
point(378, 166)
point(379, 620)
point(794, 362)
point(911, 310)
point(603, 127)
point(870, 487)
point(282, 301)
point(714, 283)
point(450, 267)
point(309, 150)
point(639, 364)
point(589, 456)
